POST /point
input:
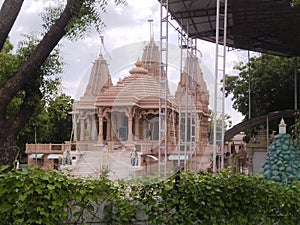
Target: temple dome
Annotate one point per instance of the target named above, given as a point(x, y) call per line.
point(138, 69)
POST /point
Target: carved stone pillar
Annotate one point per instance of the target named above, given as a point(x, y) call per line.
point(198, 131)
point(137, 128)
point(89, 129)
point(145, 129)
point(82, 127)
point(75, 128)
point(169, 130)
point(130, 139)
point(100, 137)
point(108, 130)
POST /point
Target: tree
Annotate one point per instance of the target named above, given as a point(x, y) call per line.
point(52, 123)
point(227, 124)
point(60, 121)
point(72, 19)
point(48, 82)
point(271, 85)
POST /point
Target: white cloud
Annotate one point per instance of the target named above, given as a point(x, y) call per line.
point(34, 8)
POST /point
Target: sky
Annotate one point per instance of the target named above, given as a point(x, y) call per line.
point(127, 31)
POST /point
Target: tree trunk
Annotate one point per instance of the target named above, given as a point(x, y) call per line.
point(28, 72)
point(11, 127)
point(9, 150)
point(9, 11)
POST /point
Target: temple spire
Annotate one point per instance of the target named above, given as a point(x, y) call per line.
point(151, 30)
point(102, 48)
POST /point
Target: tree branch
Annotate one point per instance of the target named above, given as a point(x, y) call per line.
point(29, 69)
point(33, 97)
point(9, 11)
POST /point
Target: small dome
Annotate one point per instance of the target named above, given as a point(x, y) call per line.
point(138, 63)
point(138, 69)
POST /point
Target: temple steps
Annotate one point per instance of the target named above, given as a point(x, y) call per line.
point(94, 164)
point(116, 164)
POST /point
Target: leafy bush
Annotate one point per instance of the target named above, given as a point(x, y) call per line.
point(35, 196)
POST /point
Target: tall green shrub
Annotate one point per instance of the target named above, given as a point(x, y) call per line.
point(35, 196)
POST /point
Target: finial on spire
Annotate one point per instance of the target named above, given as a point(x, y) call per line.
point(138, 63)
point(282, 127)
point(102, 46)
point(151, 30)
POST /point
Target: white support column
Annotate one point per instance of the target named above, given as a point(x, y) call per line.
point(163, 92)
point(220, 59)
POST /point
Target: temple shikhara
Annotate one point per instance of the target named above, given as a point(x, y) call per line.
point(123, 118)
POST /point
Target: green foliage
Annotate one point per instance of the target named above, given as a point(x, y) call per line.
point(294, 3)
point(53, 122)
point(35, 196)
point(296, 128)
point(49, 80)
point(227, 120)
point(36, 64)
point(9, 62)
point(51, 115)
point(271, 85)
point(88, 16)
point(227, 124)
point(43, 94)
point(42, 88)
point(60, 121)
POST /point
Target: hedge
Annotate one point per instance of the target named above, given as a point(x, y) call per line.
point(35, 196)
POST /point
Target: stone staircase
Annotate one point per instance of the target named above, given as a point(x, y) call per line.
point(116, 164)
point(206, 157)
point(89, 164)
point(113, 164)
point(120, 165)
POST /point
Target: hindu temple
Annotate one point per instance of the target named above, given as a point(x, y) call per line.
point(123, 118)
point(125, 115)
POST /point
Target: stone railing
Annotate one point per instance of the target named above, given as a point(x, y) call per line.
point(49, 148)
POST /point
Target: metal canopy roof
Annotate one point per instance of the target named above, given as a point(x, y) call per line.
point(268, 26)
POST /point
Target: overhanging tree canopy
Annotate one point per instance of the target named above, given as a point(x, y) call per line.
point(73, 19)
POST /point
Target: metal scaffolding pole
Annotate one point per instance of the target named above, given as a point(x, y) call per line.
point(180, 140)
point(163, 92)
point(187, 104)
point(188, 117)
point(186, 90)
point(192, 103)
point(220, 59)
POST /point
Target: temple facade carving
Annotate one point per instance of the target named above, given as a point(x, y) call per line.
point(126, 114)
